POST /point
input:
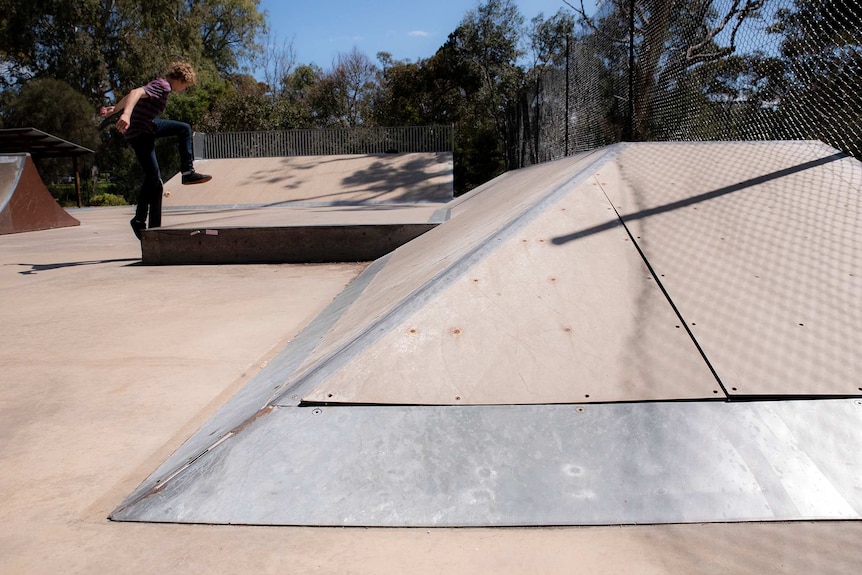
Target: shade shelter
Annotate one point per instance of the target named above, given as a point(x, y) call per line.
point(41, 145)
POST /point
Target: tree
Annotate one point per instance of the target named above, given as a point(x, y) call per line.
point(669, 39)
point(110, 46)
point(822, 47)
point(56, 108)
point(276, 61)
point(549, 44)
point(297, 96)
point(476, 80)
point(404, 96)
point(353, 79)
point(244, 106)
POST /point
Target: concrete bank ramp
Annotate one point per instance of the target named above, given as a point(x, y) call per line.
point(301, 209)
point(25, 203)
point(317, 180)
point(566, 350)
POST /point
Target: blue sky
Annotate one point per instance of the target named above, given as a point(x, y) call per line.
point(409, 30)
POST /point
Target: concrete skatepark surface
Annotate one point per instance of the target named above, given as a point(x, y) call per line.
point(98, 389)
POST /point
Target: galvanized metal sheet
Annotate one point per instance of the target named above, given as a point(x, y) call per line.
point(264, 460)
point(759, 245)
point(525, 465)
point(257, 395)
point(391, 287)
point(418, 271)
point(535, 322)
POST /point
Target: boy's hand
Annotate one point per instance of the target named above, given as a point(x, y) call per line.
point(123, 123)
point(109, 116)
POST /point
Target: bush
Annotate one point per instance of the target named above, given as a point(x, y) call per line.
point(106, 199)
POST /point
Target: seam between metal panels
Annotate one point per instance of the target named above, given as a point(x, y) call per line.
point(664, 291)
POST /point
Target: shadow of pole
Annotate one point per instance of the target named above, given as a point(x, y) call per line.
point(699, 198)
point(36, 268)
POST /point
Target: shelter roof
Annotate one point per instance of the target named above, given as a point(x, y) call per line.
point(38, 144)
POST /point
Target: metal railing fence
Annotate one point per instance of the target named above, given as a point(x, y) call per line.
point(324, 142)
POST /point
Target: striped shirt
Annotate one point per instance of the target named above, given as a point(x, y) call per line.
point(148, 108)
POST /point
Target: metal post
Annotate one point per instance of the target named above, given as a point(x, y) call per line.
point(568, 95)
point(77, 179)
point(628, 129)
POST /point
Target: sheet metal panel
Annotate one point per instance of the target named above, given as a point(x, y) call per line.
point(418, 271)
point(255, 397)
point(759, 245)
point(535, 322)
point(597, 464)
point(382, 291)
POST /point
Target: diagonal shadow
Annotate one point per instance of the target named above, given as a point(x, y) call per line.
point(36, 268)
point(699, 198)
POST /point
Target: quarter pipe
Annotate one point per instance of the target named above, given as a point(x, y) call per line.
point(25, 203)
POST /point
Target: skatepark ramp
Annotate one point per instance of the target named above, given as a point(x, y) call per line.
point(644, 333)
point(301, 209)
point(25, 203)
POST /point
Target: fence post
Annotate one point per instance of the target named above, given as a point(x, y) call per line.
point(628, 128)
point(568, 93)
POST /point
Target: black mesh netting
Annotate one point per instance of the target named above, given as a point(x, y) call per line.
point(702, 70)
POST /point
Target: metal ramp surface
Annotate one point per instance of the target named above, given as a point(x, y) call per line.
point(568, 349)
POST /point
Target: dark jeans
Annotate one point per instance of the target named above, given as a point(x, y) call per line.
point(144, 145)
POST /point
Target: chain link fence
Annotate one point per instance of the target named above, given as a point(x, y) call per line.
point(700, 70)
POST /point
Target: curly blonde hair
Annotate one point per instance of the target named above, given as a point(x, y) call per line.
point(182, 71)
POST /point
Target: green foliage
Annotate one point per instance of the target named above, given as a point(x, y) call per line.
point(102, 47)
point(402, 95)
point(688, 76)
point(64, 194)
point(299, 96)
point(53, 107)
point(107, 199)
point(57, 109)
point(822, 43)
point(548, 38)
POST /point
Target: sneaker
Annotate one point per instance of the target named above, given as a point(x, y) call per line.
point(195, 178)
point(138, 226)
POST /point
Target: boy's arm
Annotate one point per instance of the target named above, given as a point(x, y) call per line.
point(126, 105)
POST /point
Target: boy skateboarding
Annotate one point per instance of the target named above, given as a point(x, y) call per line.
point(140, 125)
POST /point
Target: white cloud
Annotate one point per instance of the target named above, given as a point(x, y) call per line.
point(419, 34)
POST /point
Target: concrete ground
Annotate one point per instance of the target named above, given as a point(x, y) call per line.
point(107, 366)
